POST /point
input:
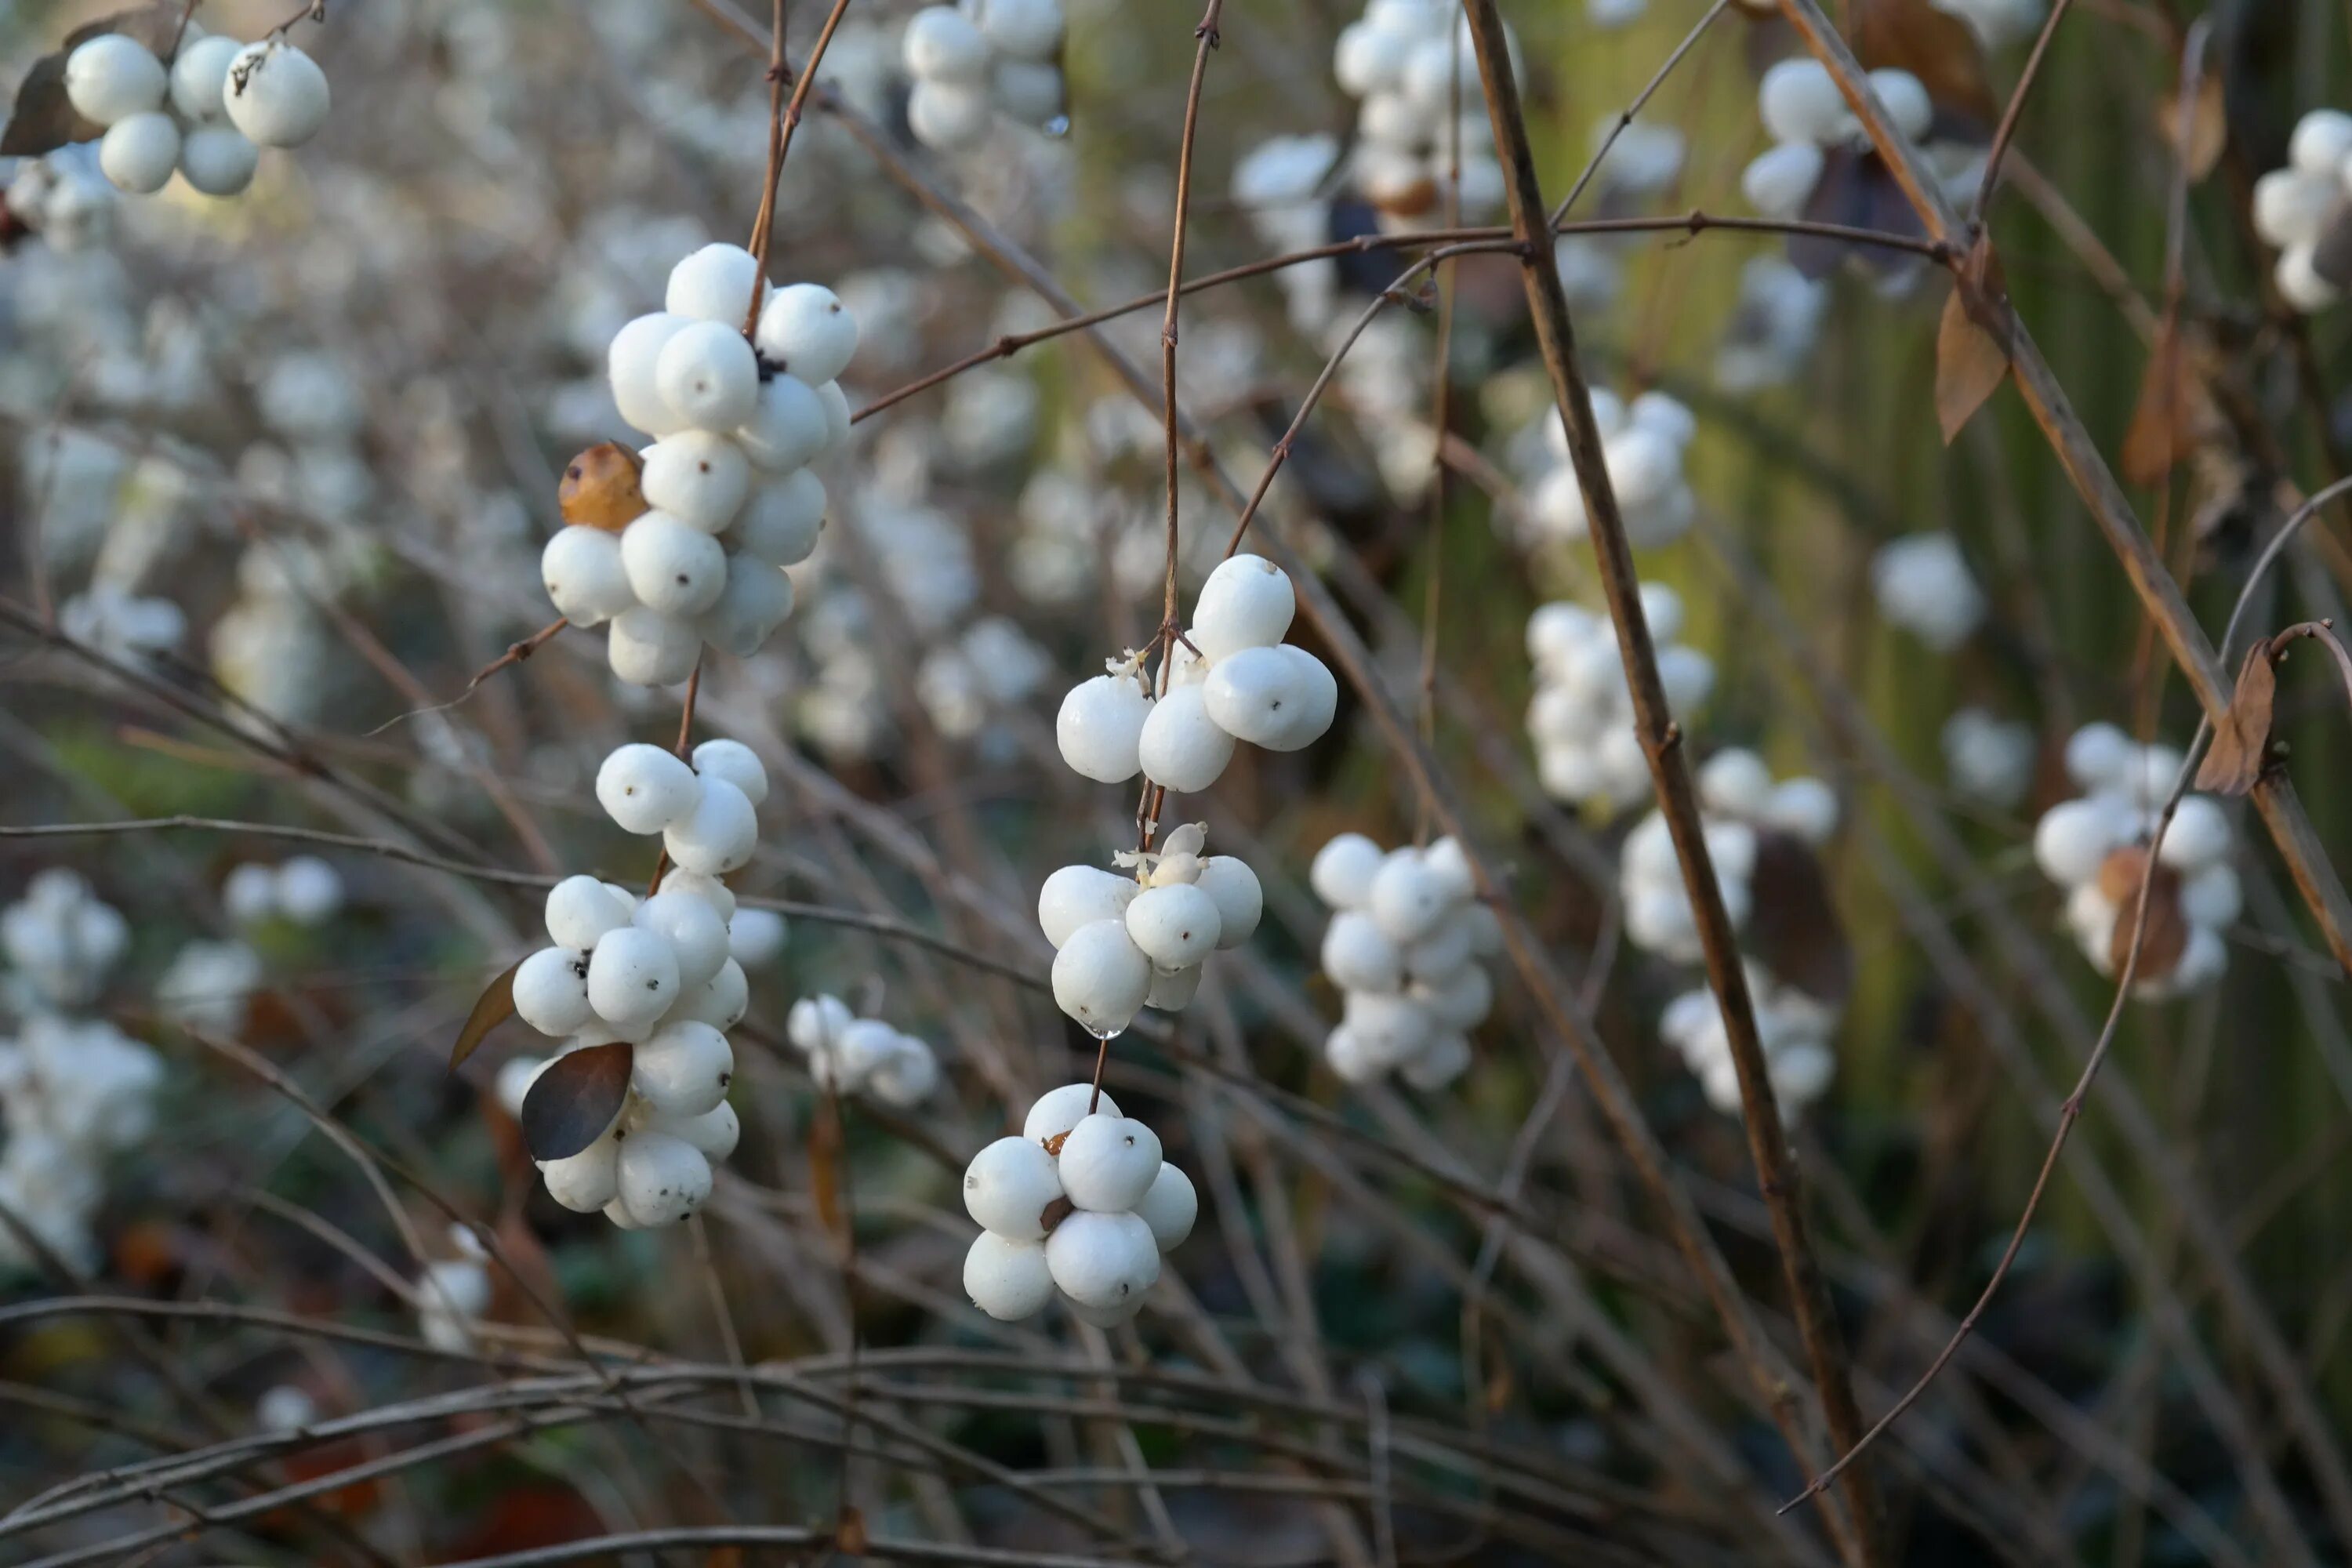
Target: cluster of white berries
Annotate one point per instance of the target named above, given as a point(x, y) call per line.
point(1406, 934)
point(1773, 327)
point(1988, 761)
point(1229, 679)
point(1737, 798)
point(851, 1054)
point(1410, 61)
point(1580, 719)
point(2094, 847)
point(1808, 119)
point(74, 1092)
point(1643, 444)
point(209, 986)
point(208, 114)
point(121, 624)
point(452, 1293)
point(61, 939)
point(732, 502)
point(659, 973)
point(1792, 1028)
point(1923, 584)
point(1126, 942)
point(62, 198)
point(973, 60)
point(303, 890)
point(1080, 1205)
point(2298, 205)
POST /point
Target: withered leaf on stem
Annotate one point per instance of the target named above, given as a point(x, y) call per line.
point(2164, 422)
point(574, 1098)
point(2208, 126)
point(43, 120)
point(1969, 365)
point(1933, 44)
point(600, 489)
point(494, 1007)
point(1796, 933)
point(2167, 929)
point(2242, 740)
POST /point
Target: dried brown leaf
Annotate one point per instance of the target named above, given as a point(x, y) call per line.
point(2242, 740)
point(574, 1098)
point(2163, 423)
point(2208, 126)
point(1969, 364)
point(2168, 930)
point(601, 489)
point(1796, 933)
point(849, 1531)
point(494, 1007)
point(43, 120)
point(1933, 44)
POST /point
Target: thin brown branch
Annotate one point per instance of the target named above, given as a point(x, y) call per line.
point(515, 653)
point(1777, 1174)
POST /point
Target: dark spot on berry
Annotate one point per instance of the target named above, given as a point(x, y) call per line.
point(572, 472)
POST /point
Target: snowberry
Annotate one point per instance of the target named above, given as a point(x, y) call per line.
point(633, 362)
point(1176, 926)
point(1099, 727)
point(707, 375)
point(1806, 807)
point(1444, 1058)
point(1101, 977)
point(1170, 1208)
point(309, 890)
point(111, 77)
point(2198, 836)
point(1008, 1186)
point(1075, 896)
point(582, 569)
point(2073, 838)
point(139, 153)
point(672, 566)
point(1923, 582)
point(2210, 896)
point(1007, 1278)
point(719, 1002)
point(217, 160)
point(712, 284)
point(1109, 1163)
point(755, 936)
point(632, 978)
point(551, 992)
point(2099, 755)
point(718, 835)
point(1257, 695)
point(275, 94)
point(580, 911)
point(200, 77)
point(806, 332)
point(1057, 1111)
point(814, 1023)
point(755, 599)
point(780, 523)
point(1031, 92)
point(1437, 956)
point(696, 932)
point(1247, 602)
point(1781, 179)
point(662, 1179)
point(2321, 140)
point(249, 894)
point(947, 113)
point(1358, 956)
point(716, 1131)
point(837, 418)
point(646, 789)
point(785, 427)
point(941, 45)
point(1798, 102)
point(1343, 869)
point(1240, 900)
point(697, 476)
point(585, 1182)
point(1182, 747)
point(684, 1070)
point(1030, 29)
point(1407, 899)
point(735, 762)
point(1103, 1259)
point(908, 1076)
point(1458, 1000)
point(1389, 1028)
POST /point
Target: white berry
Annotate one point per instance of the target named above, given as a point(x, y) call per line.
point(1008, 1186)
point(1057, 1111)
point(1101, 977)
point(1099, 727)
point(780, 522)
point(707, 375)
point(1182, 747)
point(632, 978)
point(1075, 896)
point(1006, 1279)
point(784, 428)
point(1170, 1208)
point(713, 284)
point(275, 94)
point(807, 332)
point(1103, 1259)
point(662, 1179)
point(646, 789)
point(111, 77)
point(697, 932)
point(1247, 602)
point(551, 992)
point(684, 1070)
point(139, 153)
point(1108, 1162)
point(720, 834)
point(697, 476)
point(1176, 926)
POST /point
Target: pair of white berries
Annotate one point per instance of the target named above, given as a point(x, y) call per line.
point(61, 939)
point(851, 1054)
point(1806, 117)
point(1923, 584)
point(730, 499)
point(303, 890)
point(1237, 680)
point(1792, 1029)
point(2297, 206)
point(1406, 935)
point(1413, 65)
point(1081, 1206)
point(1642, 445)
point(971, 61)
point(1738, 799)
point(1581, 720)
point(208, 114)
point(2092, 846)
point(1125, 943)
